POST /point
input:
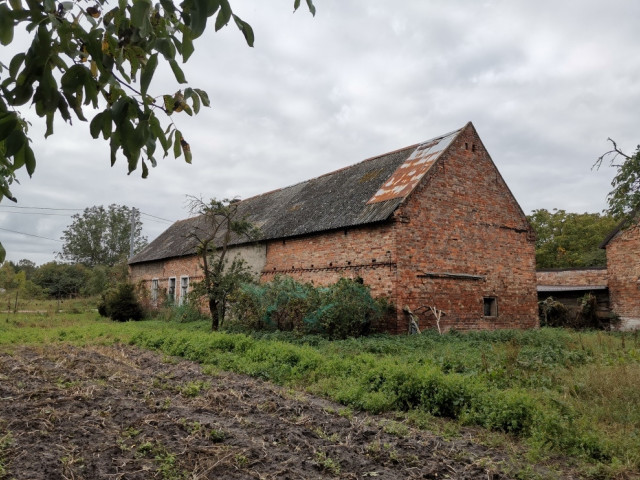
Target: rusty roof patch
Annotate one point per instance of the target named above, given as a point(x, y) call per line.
point(405, 178)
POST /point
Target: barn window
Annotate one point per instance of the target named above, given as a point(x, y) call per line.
point(154, 290)
point(171, 291)
point(490, 306)
point(184, 288)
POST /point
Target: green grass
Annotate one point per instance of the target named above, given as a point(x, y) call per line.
point(562, 392)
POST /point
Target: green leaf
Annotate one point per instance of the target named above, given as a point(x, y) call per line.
point(15, 64)
point(177, 148)
point(140, 12)
point(18, 159)
point(203, 97)
point(296, 5)
point(147, 73)
point(168, 103)
point(224, 15)
point(29, 160)
point(15, 142)
point(246, 30)
point(145, 170)
point(95, 127)
point(3, 253)
point(177, 71)
point(312, 7)
point(16, 4)
point(8, 123)
point(187, 46)
point(156, 129)
point(106, 124)
point(6, 24)
point(166, 48)
point(198, 17)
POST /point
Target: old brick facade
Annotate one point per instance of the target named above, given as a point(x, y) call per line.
point(623, 266)
point(430, 225)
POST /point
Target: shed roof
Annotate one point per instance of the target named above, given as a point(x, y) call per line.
point(367, 192)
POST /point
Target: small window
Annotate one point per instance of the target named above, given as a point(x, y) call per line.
point(171, 291)
point(154, 290)
point(490, 307)
point(184, 288)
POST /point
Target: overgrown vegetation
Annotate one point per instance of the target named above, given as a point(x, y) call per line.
point(563, 392)
point(583, 314)
point(344, 309)
point(121, 304)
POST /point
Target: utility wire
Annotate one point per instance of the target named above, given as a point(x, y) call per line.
point(31, 235)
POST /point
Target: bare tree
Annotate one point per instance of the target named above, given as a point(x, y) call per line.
point(219, 224)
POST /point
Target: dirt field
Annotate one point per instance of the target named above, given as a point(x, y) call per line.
point(125, 413)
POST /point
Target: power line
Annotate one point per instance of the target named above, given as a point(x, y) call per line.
point(159, 218)
point(38, 213)
point(44, 208)
point(31, 235)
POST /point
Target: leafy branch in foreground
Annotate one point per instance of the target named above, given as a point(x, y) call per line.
point(91, 54)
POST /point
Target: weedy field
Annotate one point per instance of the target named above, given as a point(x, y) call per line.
point(546, 403)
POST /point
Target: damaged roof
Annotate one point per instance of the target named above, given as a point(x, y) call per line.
point(367, 192)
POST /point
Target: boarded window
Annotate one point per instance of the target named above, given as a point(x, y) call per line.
point(490, 305)
point(184, 288)
point(171, 291)
point(154, 290)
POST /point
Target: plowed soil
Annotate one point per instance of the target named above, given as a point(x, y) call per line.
point(125, 413)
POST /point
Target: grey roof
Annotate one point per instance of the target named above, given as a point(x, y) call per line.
point(367, 192)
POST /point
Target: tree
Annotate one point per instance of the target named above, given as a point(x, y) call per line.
point(625, 196)
point(101, 236)
point(61, 280)
point(218, 224)
point(566, 240)
point(27, 266)
point(102, 55)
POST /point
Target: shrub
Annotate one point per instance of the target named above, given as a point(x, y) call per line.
point(344, 309)
point(552, 313)
point(347, 310)
point(121, 304)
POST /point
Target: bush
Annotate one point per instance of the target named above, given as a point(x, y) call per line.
point(121, 304)
point(347, 310)
point(552, 313)
point(344, 309)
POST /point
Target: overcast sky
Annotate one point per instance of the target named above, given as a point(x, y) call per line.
point(545, 83)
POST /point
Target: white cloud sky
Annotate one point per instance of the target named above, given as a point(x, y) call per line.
point(545, 83)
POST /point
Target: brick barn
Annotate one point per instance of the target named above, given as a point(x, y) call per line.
point(433, 224)
point(623, 270)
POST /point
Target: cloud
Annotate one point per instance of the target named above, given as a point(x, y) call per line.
point(545, 84)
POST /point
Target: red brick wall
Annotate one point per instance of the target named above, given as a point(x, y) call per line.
point(572, 277)
point(163, 270)
point(462, 219)
point(623, 265)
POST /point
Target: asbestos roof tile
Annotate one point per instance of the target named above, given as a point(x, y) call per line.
point(345, 198)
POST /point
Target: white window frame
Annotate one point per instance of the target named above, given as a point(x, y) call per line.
point(171, 290)
point(155, 289)
point(184, 289)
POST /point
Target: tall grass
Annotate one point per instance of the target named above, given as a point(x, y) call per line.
point(562, 391)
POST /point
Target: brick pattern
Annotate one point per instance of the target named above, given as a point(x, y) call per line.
point(623, 265)
point(464, 220)
point(162, 270)
point(573, 277)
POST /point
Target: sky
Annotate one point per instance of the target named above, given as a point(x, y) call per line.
point(545, 84)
